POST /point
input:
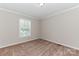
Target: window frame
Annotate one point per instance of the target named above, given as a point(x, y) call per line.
point(29, 33)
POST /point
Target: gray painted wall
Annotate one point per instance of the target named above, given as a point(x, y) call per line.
point(62, 28)
point(9, 29)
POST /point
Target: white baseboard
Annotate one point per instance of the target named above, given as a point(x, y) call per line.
point(40, 38)
point(19, 42)
point(63, 44)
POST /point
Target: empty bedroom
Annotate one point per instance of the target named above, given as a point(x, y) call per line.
point(39, 29)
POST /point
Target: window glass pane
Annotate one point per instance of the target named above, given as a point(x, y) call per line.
point(25, 28)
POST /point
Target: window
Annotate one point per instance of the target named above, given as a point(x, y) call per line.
point(25, 27)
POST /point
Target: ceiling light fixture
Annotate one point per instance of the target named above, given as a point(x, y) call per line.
point(41, 4)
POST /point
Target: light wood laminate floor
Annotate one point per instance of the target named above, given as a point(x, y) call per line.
point(38, 47)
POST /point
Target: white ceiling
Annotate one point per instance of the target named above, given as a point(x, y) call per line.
point(34, 9)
